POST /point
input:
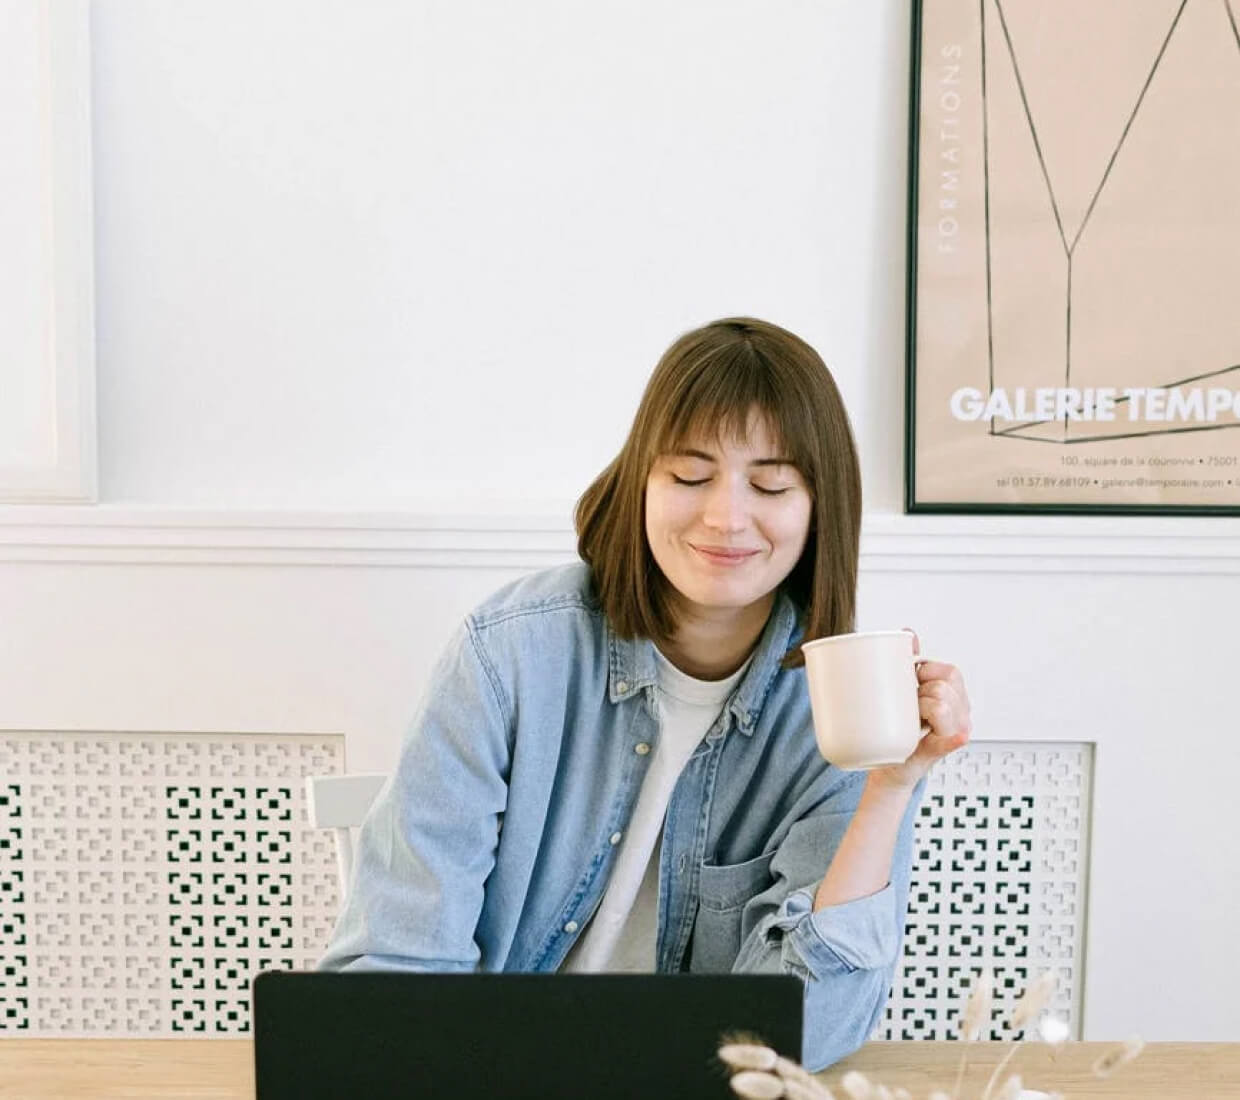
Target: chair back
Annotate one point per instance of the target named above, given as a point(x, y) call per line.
point(340, 803)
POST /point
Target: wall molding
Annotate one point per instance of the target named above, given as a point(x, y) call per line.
point(890, 542)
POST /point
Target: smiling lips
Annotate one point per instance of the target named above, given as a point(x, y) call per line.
point(724, 555)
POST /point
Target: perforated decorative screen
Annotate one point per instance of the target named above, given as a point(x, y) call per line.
point(999, 881)
point(145, 879)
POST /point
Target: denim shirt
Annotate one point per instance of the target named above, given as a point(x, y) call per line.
point(491, 845)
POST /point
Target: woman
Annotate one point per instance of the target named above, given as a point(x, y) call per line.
point(615, 766)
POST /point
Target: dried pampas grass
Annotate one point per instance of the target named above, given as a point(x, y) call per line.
point(1029, 1005)
point(759, 1072)
point(1121, 1055)
point(753, 1084)
point(1012, 1088)
point(742, 1056)
point(858, 1086)
point(976, 1016)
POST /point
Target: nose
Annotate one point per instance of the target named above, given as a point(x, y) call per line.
point(724, 508)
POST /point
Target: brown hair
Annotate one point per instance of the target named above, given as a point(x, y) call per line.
point(710, 381)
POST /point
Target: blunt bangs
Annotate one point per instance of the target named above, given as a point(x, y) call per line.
point(718, 399)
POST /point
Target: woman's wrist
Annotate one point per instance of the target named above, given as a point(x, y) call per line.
point(897, 782)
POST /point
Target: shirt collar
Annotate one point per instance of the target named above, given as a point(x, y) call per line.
point(633, 667)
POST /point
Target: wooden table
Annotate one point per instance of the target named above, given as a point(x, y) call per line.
point(222, 1069)
point(1194, 1071)
point(127, 1069)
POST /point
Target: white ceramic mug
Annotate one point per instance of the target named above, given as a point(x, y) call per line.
point(863, 694)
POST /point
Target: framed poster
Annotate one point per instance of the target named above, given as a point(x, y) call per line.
point(1074, 257)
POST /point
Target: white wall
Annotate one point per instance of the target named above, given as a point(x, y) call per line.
point(392, 272)
point(426, 254)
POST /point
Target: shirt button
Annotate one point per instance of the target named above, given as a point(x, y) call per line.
point(622, 686)
point(641, 748)
point(615, 838)
point(571, 926)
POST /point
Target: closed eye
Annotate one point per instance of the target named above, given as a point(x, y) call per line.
point(704, 480)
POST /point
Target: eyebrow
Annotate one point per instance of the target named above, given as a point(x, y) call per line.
point(689, 452)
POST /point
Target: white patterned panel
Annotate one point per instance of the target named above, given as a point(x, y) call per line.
point(145, 879)
point(999, 880)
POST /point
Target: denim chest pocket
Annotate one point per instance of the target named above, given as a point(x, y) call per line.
point(724, 887)
point(723, 892)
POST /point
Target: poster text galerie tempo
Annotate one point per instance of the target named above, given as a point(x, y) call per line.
point(1102, 404)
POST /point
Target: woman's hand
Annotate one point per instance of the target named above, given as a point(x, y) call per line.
point(944, 706)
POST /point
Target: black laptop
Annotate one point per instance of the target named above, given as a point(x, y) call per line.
point(511, 1036)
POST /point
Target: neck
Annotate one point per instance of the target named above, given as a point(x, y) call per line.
point(713, 644)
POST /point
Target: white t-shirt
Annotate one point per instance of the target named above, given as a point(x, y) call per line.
point(621, 936)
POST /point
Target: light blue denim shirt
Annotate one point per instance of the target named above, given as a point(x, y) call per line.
point(491, 845)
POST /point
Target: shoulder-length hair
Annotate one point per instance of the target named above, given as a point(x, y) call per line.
point(708, 384)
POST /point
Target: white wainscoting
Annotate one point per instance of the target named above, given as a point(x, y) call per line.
point(1097, 632)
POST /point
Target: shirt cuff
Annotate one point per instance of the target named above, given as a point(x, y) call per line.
point(854, 935)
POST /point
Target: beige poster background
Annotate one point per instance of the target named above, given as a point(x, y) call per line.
point(1078, 254)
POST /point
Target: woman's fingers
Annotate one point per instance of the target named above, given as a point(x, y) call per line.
point(938, 712)
point(930, 671)
point(946, 711)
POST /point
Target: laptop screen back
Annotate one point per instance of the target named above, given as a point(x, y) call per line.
point(544, 1036)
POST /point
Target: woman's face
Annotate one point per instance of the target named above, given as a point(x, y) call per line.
point(726, 522)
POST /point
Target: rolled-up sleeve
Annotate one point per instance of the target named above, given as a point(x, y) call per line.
point(845, 954)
